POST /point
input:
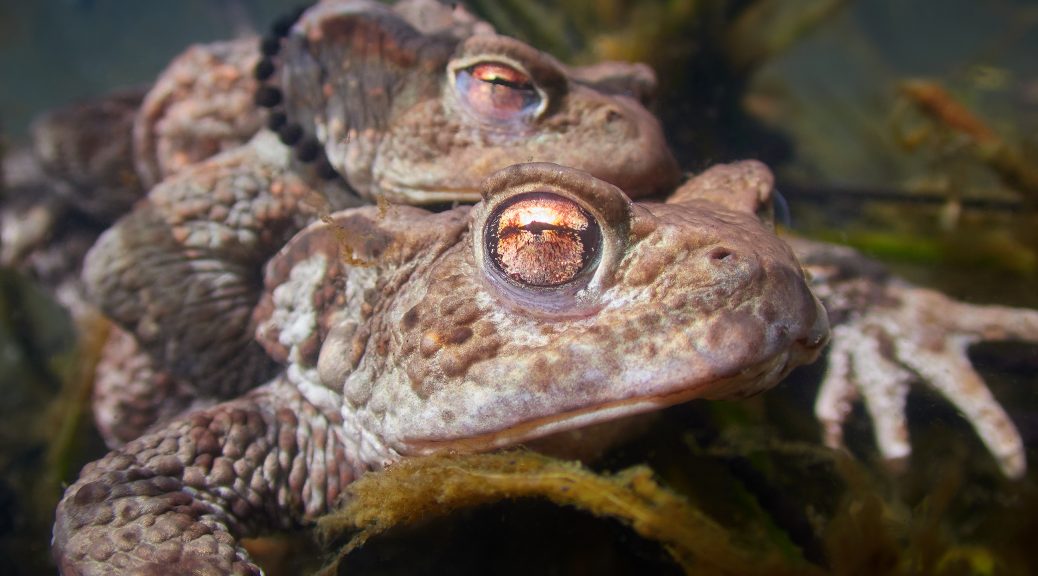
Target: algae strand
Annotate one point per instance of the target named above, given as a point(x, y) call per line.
point(936, 103)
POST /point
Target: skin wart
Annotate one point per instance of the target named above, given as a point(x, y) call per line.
point(437, 347)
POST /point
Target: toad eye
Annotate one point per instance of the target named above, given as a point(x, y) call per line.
point(497, 91)
point(542, 240)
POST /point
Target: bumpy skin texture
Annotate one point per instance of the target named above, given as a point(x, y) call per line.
point(175, 501)
point(92, 160)
point(179, 122)
point(130, 393)
point(182, 271)
point(200, 106)
point(889, 334)
point(38, 231)
point(692, 300)
point(59, 196)
point(400, 338)
point(81, 175)
point(84, 148)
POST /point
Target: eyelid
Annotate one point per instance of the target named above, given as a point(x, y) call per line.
point(610, 206)
point(545, 72)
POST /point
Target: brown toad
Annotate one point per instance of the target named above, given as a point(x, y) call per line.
point(554, 304)
point(202, 105)
point(373, 100)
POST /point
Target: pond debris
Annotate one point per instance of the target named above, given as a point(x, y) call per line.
point(346, 252)
point(71, 412)
point(935, 102)
point(317, 204)
point(45, 435)
point(423, 487)
point(875, 532)
point(867, 519)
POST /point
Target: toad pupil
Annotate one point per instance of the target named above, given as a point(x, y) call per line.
point(542, 240)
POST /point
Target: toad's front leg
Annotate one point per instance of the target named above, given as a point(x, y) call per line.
point(183, 271)
point(888, 333)
point(177, 500)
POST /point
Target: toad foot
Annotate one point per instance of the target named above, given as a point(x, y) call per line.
point(888, 334)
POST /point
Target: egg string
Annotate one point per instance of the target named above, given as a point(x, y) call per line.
point(308, 149)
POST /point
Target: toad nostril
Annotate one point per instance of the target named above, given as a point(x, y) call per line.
point(613, 115)
point(719, 254)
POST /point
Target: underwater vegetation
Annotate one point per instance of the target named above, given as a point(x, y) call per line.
point(422, 488)
point(46, 433)
point(739, 505)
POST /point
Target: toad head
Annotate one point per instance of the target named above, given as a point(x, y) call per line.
point(422, 117)
point(553, 304)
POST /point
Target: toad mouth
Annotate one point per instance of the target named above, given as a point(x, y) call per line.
point(425, 194)
point(765, 372)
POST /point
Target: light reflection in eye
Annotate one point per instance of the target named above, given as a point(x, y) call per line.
point(542, 240)
point(547, 213)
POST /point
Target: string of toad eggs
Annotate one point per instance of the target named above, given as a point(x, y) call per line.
point(308, 149)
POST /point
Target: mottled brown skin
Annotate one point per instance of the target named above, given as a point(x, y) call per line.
point(888, 334)
point(130, 394)
point(91, 161)
point(200, 105)
point(182, 271)
point(35, 232)
point(79, 168)
point(423, 347)
point(175, 502)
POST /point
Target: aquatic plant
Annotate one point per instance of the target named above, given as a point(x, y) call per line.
point(421, 488)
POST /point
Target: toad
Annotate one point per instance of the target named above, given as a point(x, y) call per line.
point(372, 102)
point(59, 196)
point(403, 332)
point(181, 123)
